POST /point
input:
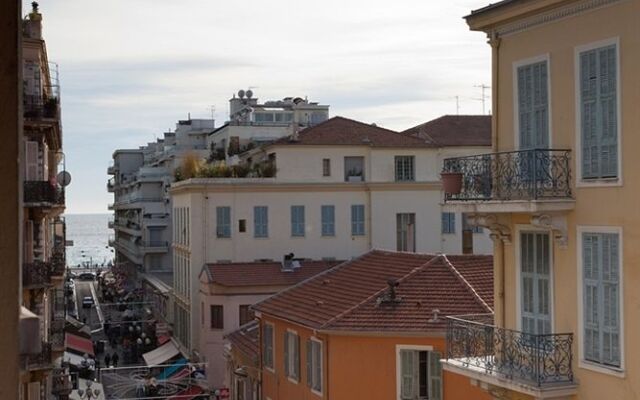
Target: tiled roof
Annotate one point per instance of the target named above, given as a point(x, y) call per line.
point(263, 273)
point(347, 132)
point(351, 296)
point(455, 130)
point(246, 340)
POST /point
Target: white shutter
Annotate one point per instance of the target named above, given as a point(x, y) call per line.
point(33, 391)
point(435, 376)
point(45, 162)
point(408, 374)
point(31, 157)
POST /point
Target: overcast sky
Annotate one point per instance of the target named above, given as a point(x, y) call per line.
point(129, 69)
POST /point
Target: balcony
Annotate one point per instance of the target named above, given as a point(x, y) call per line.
point(38, 361)
point(36, 274)
point(61, 384)
point(536, 365)
point(514, 181)
point(111, 169)
point(42, 194)
point(155, 246)
point(58, 261)
point(56, 335)
point(111, 185)
point(37, 108)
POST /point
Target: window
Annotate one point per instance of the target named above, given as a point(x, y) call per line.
point(242, 225)
point(223, 222)
point(297, 221)
point(353, 169)
point(357, 220)
point(326, 167)
point(599, 113)
point(292, 355)
point(260, 221)
point(405, 169)
point(448, 222)
point(314, 365)
point(267, 345)
point(406, 232)
point(533, 106)
point(217, 317)
point(420, 375)
point(535, 282)
point(467, 227)
point(328, 220)
point(246, 314)
point(601, 298)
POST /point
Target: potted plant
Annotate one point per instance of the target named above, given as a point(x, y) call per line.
point(354, 175)
point(451, 179)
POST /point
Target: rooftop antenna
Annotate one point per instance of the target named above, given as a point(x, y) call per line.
point(484, 97)
point(213, 111)
point(189, 116)
point(457, 105)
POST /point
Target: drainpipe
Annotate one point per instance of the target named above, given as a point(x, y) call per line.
point(498, 248)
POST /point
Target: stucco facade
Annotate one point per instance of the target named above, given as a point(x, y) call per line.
point(560, 36)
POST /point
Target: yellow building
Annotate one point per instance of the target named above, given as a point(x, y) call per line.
point(559, 194)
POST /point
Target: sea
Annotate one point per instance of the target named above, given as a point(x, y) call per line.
point(88, 235)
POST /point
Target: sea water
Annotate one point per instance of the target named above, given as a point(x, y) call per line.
point(90, 236)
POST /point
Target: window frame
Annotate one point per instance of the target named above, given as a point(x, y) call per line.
point(211, 319)
point(257, 233)
point(397, 172)
point(355, 224)
point(598, 182)
point(619, 372)
point(223, 228)
point(294, 225)
point(398, 366)
point(289, 358)
point(271, 367)
point(314, 341)
point(326, 167)
point(450, 224)
point(246, 308)
point(328, 228)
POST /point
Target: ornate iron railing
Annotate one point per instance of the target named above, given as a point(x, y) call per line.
point(513, 175)
point(37, 273)
point(61, 384)
point(38, 107)
point(58, 261)
point(539, 360)
point(43, 192)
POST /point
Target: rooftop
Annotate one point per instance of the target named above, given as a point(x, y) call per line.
point(355, 295)
point(455, 130)
point(340, 131)
point(245, 339)
point(263, 273)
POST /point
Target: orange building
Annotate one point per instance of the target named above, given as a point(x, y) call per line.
point(372, 328)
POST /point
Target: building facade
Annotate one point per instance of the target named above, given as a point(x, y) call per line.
point(44, 261)
point(340, 189)
point(371, 328)
point(558, 194)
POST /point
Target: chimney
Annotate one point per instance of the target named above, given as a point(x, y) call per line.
point(294, 134)
point(287, 263)
point(34, 22)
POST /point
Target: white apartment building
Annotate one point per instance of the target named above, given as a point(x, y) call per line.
point(341, 188)
point(252, 123)
point(142, 208)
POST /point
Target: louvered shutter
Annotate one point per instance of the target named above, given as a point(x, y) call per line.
point(525, 106)
point(590, 261)
point(309, 363)
point(33, 391)
point(435, 376)
point(608, 112)
point(610, 296)
point(31, 149)
point(286, 354)
point(588, 95)
point(296, 357)
point(408, 374)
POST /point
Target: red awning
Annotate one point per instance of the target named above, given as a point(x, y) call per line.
point(78, 344)
point(163, 339)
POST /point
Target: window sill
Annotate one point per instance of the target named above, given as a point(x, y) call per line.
point(605, 182)
point(328, 236)
point(297, 236)
point(293, 380)
point(591, 366)
point(268, 369)
point(316, 392)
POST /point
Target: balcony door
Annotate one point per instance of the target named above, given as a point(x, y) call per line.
point(535, 282)
point(533, 120)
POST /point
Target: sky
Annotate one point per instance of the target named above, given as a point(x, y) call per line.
point(129, 69)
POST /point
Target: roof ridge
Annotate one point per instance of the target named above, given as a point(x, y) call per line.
point(376, 294)
point(466, 283)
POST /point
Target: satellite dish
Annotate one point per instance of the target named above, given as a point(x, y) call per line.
point(249, 93)
point(63, 178)
point(241, 93)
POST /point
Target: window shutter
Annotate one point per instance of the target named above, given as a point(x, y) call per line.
point(610, 295)
point(31, 149)
point(407, 373)
point(286, 354)
point(309, 363)
point(296, 359)
point(525, 106)
point(608, 112)
point(435, 376)
point(590, 259)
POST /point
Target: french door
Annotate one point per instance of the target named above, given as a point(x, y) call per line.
point(535, 282)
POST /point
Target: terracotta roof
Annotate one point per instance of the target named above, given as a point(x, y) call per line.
point(351, 296)
point(263, 273)
point(455, 130)
point(340, 131)
point(246, 340)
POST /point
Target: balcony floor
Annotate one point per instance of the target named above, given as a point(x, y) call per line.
point(478, 374)
point(510, 206)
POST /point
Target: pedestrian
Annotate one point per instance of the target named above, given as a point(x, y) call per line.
point(107, 360)
point(115, 359)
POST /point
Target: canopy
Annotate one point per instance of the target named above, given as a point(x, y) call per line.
point(172, 369)
point(161, 354)
point(75, 359)
point(78, 344)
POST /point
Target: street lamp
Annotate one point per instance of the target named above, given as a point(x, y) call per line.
point(89, 393)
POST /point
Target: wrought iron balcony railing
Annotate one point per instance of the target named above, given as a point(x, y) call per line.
point(61, 384)
point(41, 360)
point(36, 274)
point(43, 192)
point(58, 261)
point(515, 175)
point(538, 360)
point(38, 107)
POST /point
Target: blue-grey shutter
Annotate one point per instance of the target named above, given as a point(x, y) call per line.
point(525, 105)
point(588, 111)
point(610, 296)
point(535, 282)
point(328, 220)
point(286, 354)
point(533, 106)
point(435, 376)
point(260, 221)
point(590, 274)
point(608, 112)
point(309, 363)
